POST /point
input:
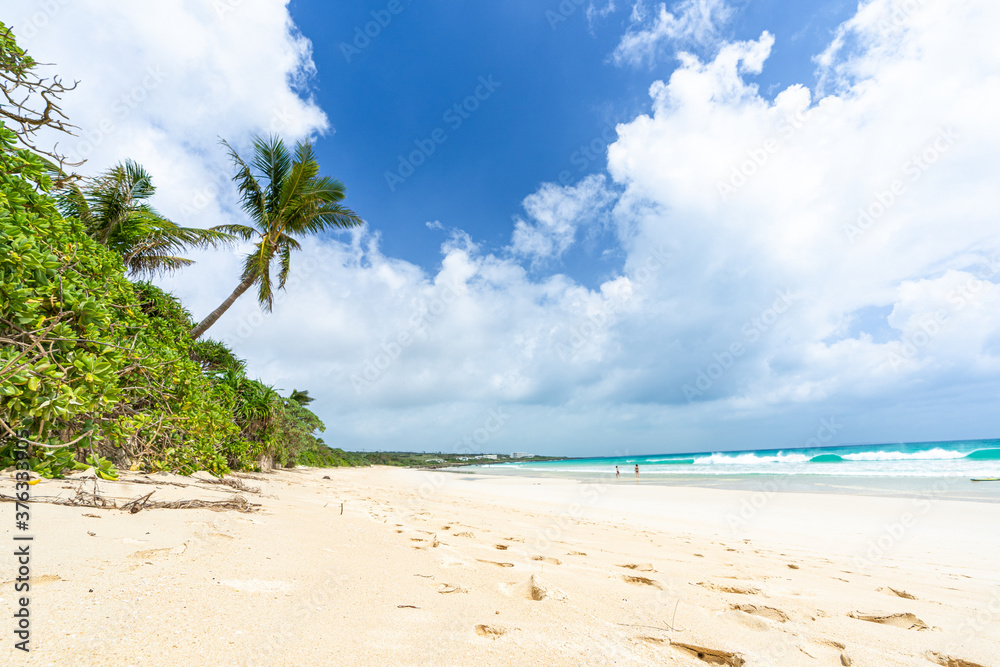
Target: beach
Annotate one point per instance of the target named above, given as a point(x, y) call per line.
point(379, 566)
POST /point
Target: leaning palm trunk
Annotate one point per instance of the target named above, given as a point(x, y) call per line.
point(217, 313)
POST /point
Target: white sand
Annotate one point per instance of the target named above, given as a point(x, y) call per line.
point(431, 568)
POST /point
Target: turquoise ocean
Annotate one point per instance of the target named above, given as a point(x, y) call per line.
point(894, 469)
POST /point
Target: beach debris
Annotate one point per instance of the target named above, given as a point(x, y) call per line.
point(490, 631)
point(902, 594)
point(642, 581)
point(540, 590)
point(92, 534)
point(576, 553)
point(326, 477)
point(792, 567)
point(465, 533)
point(436, 542)
point(766, 612)
point(234, 483)
point(641, 567)
point(905, 621)
point(948, 661)
point(92, 516)
point(501, 547)
point(407, 606)
point(710, 655)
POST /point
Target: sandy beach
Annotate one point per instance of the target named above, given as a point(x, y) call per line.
point(384, 566)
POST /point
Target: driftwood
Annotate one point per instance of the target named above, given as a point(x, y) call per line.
point(234, 483)
point(86, 499)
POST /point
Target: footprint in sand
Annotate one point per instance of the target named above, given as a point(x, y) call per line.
point(893, 591)
point(540, 590)
point(651, 640)
point(642, 581)
point(948, 661)
point(739, 590)
point(451, 588)
point(493, 562)
point(465, 533)
point(710, 655)
point(501, 547)
point(149, 553)
point(641, 567)
point(576, 553)
point(766, 612)
point(904, 621)
point(547, 559)
point(491, 631)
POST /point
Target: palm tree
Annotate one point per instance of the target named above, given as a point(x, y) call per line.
point(301, 397)
point(114, 209)
point(284, 197)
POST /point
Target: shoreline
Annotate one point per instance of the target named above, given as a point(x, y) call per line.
point(424, 567)
point(950, 487)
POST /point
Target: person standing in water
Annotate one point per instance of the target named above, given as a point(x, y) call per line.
point(636, 473)
point(618, 473)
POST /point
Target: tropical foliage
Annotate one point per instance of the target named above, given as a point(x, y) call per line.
point(97, 370)
point(115, 211)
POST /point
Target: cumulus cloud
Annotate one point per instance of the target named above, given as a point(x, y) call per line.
point(869, 196)
point(766, 241)
point(692, 22)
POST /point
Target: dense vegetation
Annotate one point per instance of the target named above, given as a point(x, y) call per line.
point(96, 369)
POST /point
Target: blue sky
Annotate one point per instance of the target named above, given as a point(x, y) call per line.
point(788, 219)
point(550, 120)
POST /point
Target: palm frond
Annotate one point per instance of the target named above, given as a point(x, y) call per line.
point(242, 232)
point(252, 197)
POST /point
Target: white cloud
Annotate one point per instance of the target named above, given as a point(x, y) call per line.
point(694, 22)
point(595, 12)
point(747, 223)
point(555, 215)
point(868, 197)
